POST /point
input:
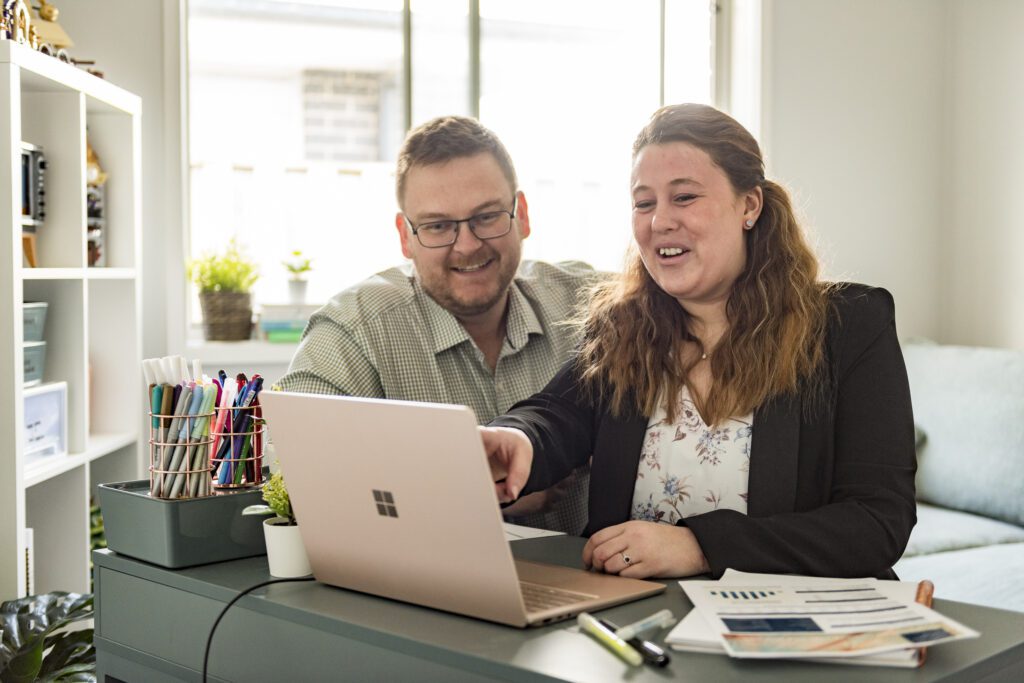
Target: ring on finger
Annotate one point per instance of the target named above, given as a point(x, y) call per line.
point(626, 558)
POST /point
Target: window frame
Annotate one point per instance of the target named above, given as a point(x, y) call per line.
point(180, 334)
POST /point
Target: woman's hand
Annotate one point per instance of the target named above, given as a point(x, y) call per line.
point(510, 455)
point(639, 550)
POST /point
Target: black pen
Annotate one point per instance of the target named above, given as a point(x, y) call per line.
point(651, 653)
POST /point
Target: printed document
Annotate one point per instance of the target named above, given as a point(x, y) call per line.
point(780, 616)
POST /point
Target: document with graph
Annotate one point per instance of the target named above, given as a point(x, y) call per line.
point(775, 616)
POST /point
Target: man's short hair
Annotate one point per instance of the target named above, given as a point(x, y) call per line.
point(445, 138)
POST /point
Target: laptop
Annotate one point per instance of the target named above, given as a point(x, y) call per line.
point(395, 498)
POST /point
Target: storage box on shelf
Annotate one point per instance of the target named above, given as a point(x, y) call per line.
point(92, 331)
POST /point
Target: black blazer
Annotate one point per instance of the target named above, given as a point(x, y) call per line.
point(829, 494)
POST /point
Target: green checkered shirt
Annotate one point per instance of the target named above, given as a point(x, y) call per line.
point(386, 338)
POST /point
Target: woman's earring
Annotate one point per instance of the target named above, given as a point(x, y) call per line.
point(749, 224)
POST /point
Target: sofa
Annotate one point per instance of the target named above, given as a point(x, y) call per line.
point(969, 410)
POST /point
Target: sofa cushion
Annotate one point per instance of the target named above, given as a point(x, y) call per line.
point(970, 404)
point(990, 576)
point(939, 530)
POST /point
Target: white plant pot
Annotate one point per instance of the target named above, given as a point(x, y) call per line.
point(285, 552)
point(297, 292)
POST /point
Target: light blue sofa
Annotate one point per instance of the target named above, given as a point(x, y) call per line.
point(969, 538)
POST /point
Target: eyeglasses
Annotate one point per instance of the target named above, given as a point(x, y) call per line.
point(484, 226)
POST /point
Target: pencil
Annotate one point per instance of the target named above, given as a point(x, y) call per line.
point(925, 592)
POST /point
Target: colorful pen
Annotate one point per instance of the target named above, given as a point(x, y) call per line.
point(607, 637)
point(652, 654)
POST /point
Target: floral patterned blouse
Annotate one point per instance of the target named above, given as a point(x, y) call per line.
point(687, 468)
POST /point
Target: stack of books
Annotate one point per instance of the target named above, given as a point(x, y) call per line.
point(284, 322)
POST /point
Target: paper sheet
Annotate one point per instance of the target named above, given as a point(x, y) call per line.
point(766, 615)
point(515, 532)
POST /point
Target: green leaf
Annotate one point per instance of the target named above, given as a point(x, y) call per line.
point(29, 626)
point(70, 650)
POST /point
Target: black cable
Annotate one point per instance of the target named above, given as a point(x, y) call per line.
point(209, 638)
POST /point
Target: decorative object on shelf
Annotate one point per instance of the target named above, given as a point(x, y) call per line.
point(36, 645)
point(297, 266)
point(224, 282)
point(95, 208)
point(16, 22)
point(52, 39)
point(286, 555)
point(33, 199)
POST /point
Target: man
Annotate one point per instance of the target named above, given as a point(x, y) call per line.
point(467, 323)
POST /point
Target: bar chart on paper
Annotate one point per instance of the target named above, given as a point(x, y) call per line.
point(743, 595)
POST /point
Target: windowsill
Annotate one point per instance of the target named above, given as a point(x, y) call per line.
point(240, 352)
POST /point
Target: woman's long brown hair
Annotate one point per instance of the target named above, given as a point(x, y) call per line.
point(635, 333)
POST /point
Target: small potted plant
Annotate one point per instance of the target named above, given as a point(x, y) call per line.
point(297, 266)
point(225, 282)
point(285, 553)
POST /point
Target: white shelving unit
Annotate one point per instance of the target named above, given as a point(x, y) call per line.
point(92, 329)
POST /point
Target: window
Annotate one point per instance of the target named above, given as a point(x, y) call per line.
point(297, 109)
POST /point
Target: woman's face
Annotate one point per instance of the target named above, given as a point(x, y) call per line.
point(688, 222)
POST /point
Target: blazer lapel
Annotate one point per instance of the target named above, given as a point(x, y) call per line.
point(771, 488)
point(616, 458)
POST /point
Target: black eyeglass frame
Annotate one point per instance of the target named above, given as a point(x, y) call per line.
point(469, 222)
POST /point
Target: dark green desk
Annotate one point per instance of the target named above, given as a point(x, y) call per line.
point(152, 624)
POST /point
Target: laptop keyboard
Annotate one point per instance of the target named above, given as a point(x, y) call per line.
point(539, 597)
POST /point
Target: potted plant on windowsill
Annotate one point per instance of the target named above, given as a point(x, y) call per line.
point(285, 553)
point(224, 281)
point(297, 266)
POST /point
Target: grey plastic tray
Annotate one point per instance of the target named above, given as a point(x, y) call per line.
point(180, 533)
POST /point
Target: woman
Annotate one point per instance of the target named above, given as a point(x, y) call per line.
point(739, 412)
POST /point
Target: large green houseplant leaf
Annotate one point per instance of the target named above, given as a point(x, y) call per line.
point(34, 648)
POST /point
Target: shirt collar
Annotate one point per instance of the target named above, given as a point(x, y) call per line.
point(446, 331)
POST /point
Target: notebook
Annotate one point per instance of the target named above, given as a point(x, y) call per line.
point(395, 498)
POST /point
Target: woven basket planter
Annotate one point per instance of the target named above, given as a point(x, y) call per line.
point(227, 316)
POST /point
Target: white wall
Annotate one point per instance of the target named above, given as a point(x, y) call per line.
point(126, 40)
point(899, 127)
point(853, 124)
point(982, 262)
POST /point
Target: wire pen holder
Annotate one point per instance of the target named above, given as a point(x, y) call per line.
point(237, 450)
point(179, 463)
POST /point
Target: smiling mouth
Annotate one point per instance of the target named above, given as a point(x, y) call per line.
point(472, 268)
point(669, 252)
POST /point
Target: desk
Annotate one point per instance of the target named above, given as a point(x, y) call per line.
point(152, 624)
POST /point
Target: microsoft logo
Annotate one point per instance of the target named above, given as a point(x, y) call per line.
point(385, 503)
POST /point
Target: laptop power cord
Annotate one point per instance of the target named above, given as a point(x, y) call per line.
point(209, 638)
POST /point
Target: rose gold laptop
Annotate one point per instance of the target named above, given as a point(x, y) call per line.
point(395, 498)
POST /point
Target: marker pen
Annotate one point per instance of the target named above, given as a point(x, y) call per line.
point(608, 638)
point(651, 653)
point(657, 620)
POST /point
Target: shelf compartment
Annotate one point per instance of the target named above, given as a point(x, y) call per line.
point(54, 511)
point(114, 137)
point(115, 390)
point(55, 122)
point(65, 348)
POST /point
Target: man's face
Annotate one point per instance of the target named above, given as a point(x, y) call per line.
point(471, 277)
